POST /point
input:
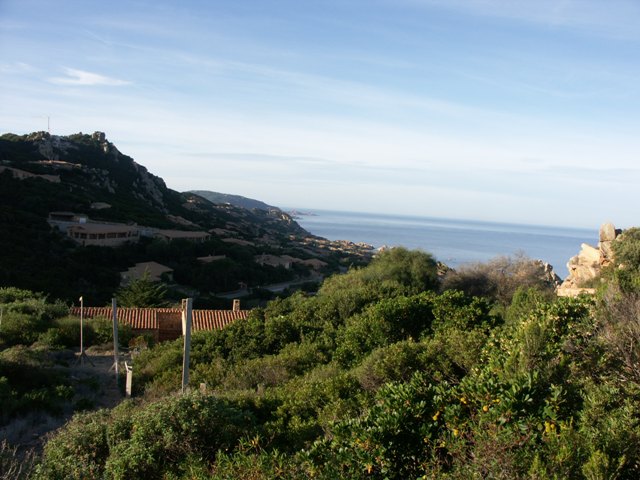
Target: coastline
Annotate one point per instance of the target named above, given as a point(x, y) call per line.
point(454, 242)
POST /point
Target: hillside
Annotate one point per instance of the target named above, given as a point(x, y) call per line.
point(87, 177)
point(385, 373)
point(235, 200)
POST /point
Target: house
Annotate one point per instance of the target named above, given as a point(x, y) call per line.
point(275, 261)
point(154, 270)
point(165, 323)
point(102, 234)
point(211, 258)
point(63, 220)
point(314, 263)
point(239, 241)
point(191, 236)
point(99, 205)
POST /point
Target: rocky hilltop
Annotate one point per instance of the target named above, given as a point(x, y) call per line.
point(587, 265)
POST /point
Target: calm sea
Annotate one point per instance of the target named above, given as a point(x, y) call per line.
point(453, 242)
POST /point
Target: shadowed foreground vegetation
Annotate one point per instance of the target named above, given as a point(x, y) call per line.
point(385, 374)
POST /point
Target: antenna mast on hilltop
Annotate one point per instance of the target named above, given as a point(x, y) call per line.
point(48, 124)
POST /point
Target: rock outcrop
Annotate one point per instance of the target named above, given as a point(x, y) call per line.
point(588, 264)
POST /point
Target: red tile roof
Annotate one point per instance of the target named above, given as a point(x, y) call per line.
point(147, 318)
point(216, 319)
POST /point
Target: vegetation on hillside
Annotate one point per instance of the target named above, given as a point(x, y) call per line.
point(383, 374)
point(36, 257)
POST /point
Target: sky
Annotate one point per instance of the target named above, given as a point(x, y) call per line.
point(515, 111)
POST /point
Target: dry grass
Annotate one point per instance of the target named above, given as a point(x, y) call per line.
point(620, 330)
point(15, 464)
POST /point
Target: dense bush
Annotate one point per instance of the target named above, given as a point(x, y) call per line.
point(25, 315)
point(396, 438)
point(627, 260)
point(78, 451)
point(151, 441)
point(65, 333)
point(375, 378)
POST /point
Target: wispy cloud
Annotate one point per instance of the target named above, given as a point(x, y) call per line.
point(84, 78)
point(615, 18)
point(16, 68)
point(261, 158)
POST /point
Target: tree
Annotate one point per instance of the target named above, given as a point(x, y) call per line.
point(142, 292)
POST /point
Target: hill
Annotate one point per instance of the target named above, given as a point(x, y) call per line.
point(235, 200)
point(383, 374)
point(90, 185)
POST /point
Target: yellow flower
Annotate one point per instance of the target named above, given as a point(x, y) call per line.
point(549, 427)
point(463, 400)
point(455, 432)
point(435, 417)
point(485, 408)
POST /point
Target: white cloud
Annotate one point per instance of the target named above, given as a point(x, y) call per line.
point(84, 78)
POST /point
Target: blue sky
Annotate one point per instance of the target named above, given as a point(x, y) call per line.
point(513, 111)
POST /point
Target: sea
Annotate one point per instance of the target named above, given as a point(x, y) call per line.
point(453, 242)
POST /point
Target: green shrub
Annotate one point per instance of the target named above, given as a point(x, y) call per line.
point(144, 441)
point(19, 328)
point(53, 339)
point(30, 383)
point(523, 302)
point(307, 404)
point(159, 369)
point(610, 423)
point(13, 294)
point(25, 315)
point(272, 370)
point(255, 463)
point(394, 363)
point(626, 250)
point(396, 438)
point(103, 331)
point(454, 309)
point(78, 451)
point(164, 433)
point(383, 323)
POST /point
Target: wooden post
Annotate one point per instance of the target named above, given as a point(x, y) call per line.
point(81, 336)
point(129, 383)
point(116, 347)
point(187, 308)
